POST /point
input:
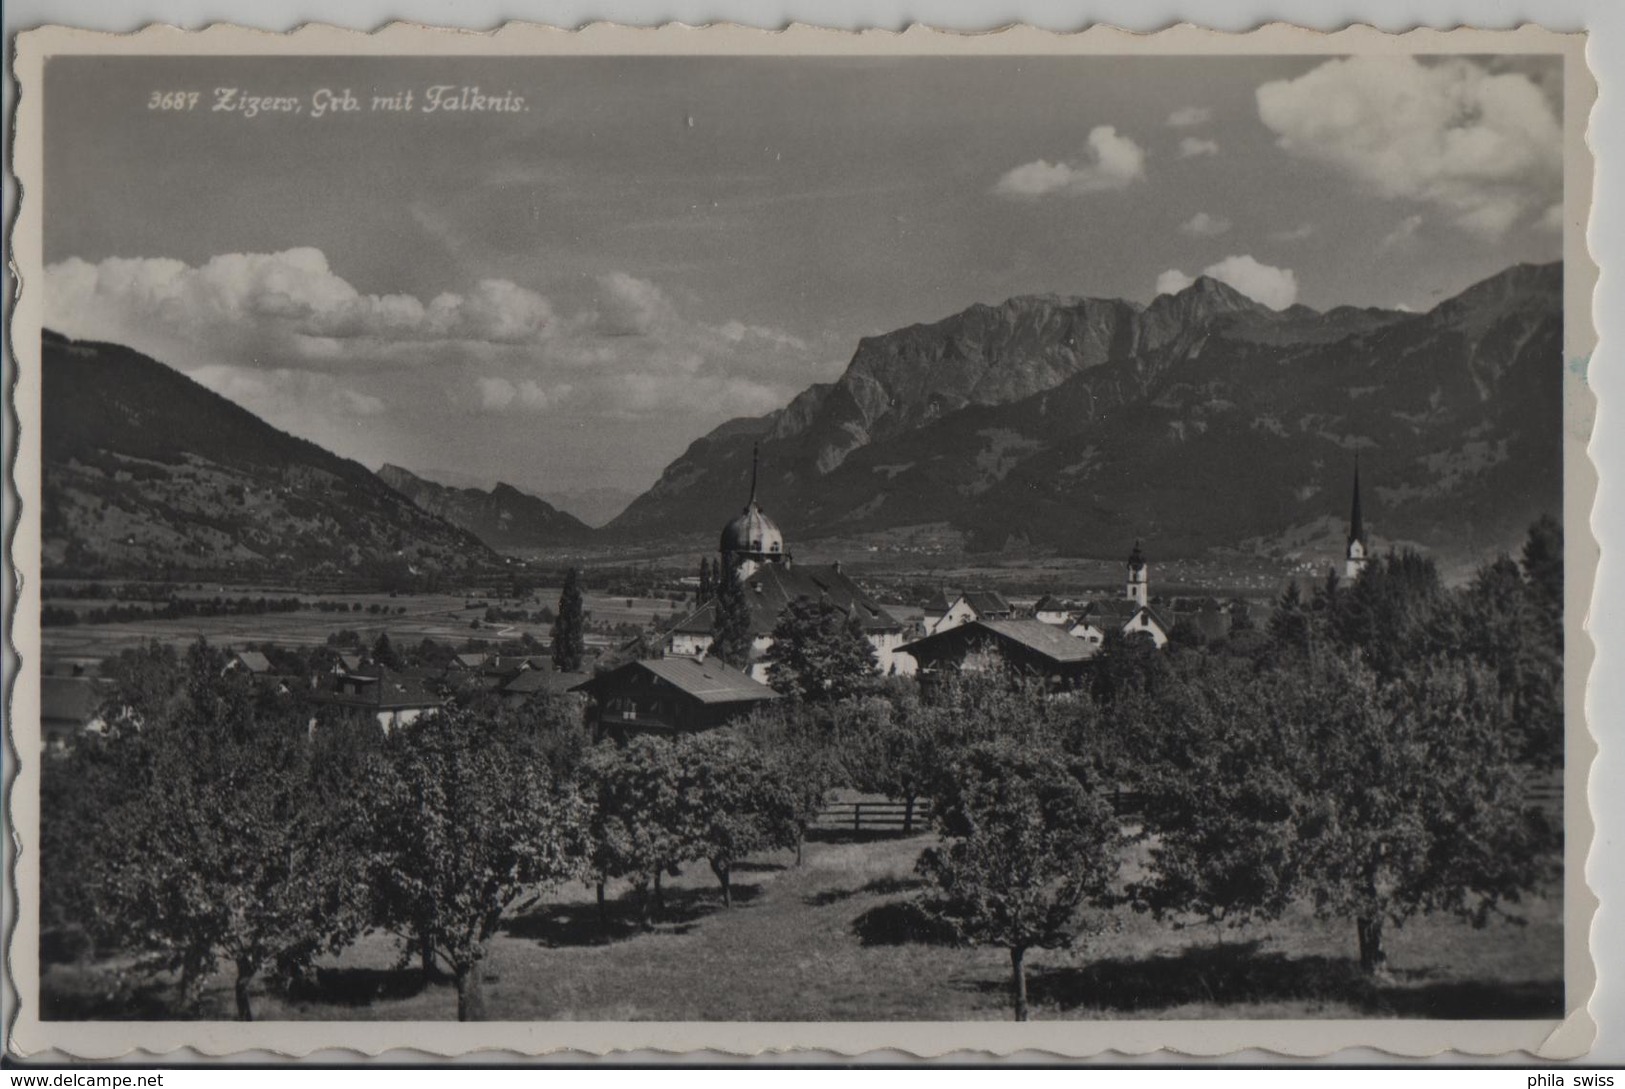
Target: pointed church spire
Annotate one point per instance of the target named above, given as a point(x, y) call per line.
point(755, 458)
point(1356, 523)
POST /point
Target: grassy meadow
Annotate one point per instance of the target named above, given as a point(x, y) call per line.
point(839, 937)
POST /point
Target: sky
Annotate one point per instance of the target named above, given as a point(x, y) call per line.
point(566, 293)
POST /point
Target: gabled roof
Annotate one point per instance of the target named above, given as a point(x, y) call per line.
point(1046, 640)
point(70, 699)
point(383, 690)
point(470, 660)
point(987, 602)
point(940, 602)
point(1120, 609)
point(1049, 603)
point(773, 587)
point(351, 662)
point(253, 661)
point(542, 680)
point(710, 681)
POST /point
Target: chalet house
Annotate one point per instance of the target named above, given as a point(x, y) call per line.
point(69, 707)
point(389, 698)
point(527, 683)
point(1126, 616)
point(252, 662)
point(1051, 610)
point(1027, 646)
point(937, 607)
point(671, 696)
point(974, 605)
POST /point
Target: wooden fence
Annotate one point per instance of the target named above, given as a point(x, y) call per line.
point(873, 816)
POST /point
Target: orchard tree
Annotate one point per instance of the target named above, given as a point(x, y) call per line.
point(223, 851)
point(819, 653)
point(1218, 755)
point(1025, 850)
point(637, 825)
point(1416, 799)
point(731, 634)
point(569, 633)
point(464, 822)
point(735, 802)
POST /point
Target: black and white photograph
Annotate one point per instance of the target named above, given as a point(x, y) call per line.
point(844, 536)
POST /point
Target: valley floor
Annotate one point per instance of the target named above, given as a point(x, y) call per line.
point(836, 938)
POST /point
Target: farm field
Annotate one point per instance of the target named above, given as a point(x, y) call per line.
point(838, 938)
point(443, 617)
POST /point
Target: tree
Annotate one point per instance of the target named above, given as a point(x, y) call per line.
point(569, 634)
point(1418, 800)
point(464, 822)
point(1289, 623)
point(731, 634)
point(637, 822)
point(819, 653)
point(734, 803)
point(895, 748)
point(1543, 562)
point(1025, 849)
point(384, 653)
point(223, 850)
point(706, 582)
point(1217, 756)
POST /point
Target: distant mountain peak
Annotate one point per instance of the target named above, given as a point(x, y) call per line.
point(502, 517)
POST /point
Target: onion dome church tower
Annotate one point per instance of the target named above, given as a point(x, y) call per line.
point(751, 540)
point(1138, 588)
point(1358, 553)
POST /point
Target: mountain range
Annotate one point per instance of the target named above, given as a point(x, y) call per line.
point(503, 517)
point(1204, 419)
point(145, 472)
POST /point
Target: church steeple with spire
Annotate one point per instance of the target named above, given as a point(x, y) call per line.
point(1358, 554)
point(752, 539)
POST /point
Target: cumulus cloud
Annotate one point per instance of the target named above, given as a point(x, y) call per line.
point(1485, 148)
point(1191, 146)
point(292, 294)
point(1189, 116)
point(1276, 288)
point(1173, 282)
point(1294, 234)
point(286, 336)
point(1111, 161)
point(1202, 225)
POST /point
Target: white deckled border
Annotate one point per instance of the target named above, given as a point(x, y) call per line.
point(140, 1041)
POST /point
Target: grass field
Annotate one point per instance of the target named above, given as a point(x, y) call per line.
point(838, 938)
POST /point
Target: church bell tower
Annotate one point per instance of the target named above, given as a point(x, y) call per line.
point(1138, 588)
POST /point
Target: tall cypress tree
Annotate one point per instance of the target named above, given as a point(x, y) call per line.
point(731, 635)
point(706, 588)
point(569, 636)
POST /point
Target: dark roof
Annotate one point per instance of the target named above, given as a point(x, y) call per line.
point(1046, 640)
point(1049, 603)
point(352, 662)
point(471, 660)
point(987, 602)
point(542, 680)
point(710, 681)
point(772, 588)
point(382, 690)
point(70, 699)
point(1120, 609)
point(940, 602)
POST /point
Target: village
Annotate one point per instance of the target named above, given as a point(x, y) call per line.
point(682, 686)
